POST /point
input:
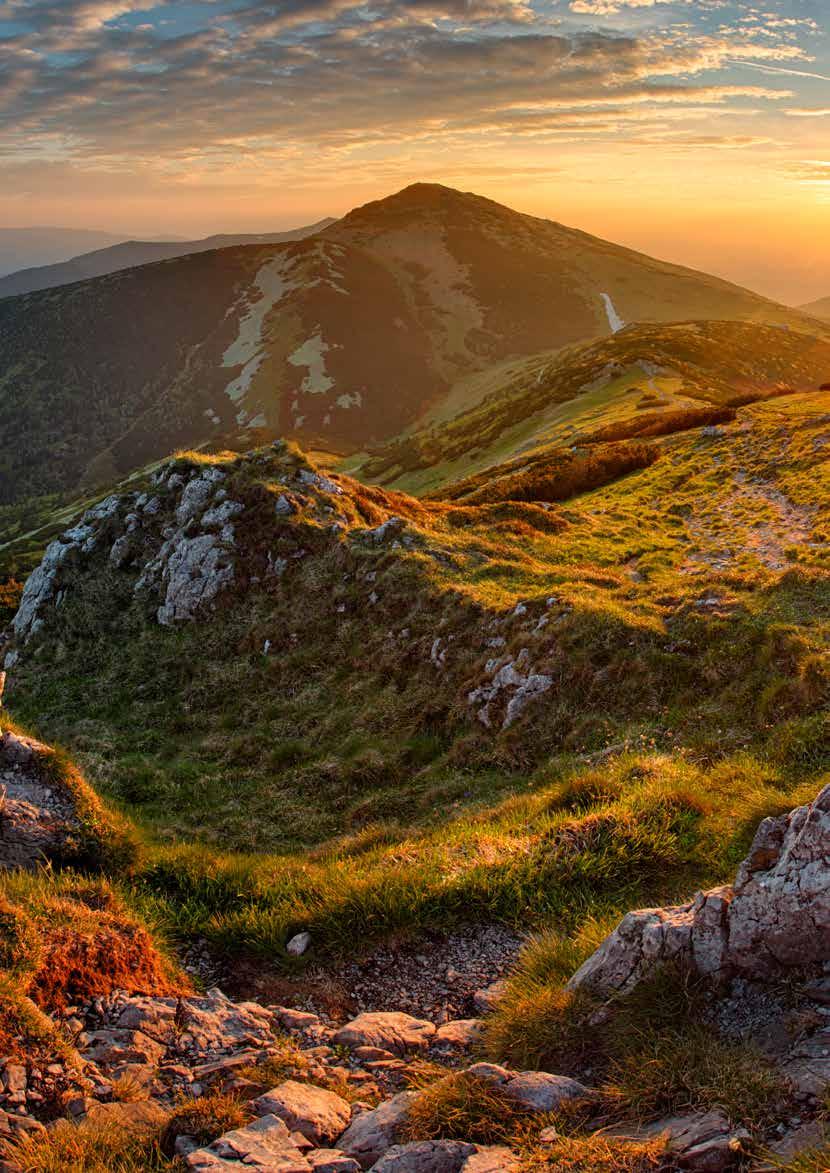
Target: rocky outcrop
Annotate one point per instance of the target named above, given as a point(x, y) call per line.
point(775, 916)
point(39, 820)
point(514, 683)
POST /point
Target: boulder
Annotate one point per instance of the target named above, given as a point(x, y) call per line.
point(775, 916)
point(266, 1144)
point(389, 1030)
point(318, 1114)
point(534, 1091)
point(371, 1133)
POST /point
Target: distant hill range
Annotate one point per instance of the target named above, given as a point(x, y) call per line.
point(819, 309)
point(22, 248)
point(344, 339)
point(130, 253)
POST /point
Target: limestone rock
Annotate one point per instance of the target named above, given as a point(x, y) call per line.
point(447, 1156)
point(332, 1161)
point(38, 820)
point(535, 1091)
point(389, 1030)
point(461, 1033)
point(701, 1142)
point(197, 569)
point(510, 680)
point(196, 495)
point(266, 1144)
point(371, 1133)
point(776, 915)
point(298, 944)
point(491, 1159)
point(425, 1156)
point(204, 1026)
point(319, 1115)
point(486, 999)
point(110, 1048)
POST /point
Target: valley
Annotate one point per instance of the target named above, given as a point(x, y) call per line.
point(432, 593)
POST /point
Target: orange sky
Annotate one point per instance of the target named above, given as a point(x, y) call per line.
point(698, 132)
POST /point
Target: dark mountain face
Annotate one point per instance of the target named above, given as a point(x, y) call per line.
point(342, 339)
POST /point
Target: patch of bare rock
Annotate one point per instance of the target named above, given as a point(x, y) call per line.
point(774, 918)
point(38, 816)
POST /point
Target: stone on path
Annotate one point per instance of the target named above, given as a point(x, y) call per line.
point(388, 1030)
point(461, 1033)
point(371, 1133)
point(535, 1091)
point(319, 1115)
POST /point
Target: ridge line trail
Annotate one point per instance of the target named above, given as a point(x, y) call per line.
point(754, 518)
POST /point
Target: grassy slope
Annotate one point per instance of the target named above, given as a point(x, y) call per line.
point(99, 377)
point(690, 637)
point(818, 309)
point(558, 396)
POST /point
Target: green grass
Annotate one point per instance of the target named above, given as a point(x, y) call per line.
point(342, 785)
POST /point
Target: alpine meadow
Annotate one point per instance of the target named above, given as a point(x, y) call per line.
point(414, 586)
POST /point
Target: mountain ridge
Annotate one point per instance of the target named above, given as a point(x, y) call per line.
point(343, 338)
point(818, 309)
point(128, 254)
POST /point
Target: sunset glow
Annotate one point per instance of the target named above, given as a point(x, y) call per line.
point(691, 130)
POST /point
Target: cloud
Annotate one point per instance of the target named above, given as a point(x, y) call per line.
point(184, 90)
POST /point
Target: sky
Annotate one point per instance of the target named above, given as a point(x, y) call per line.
point(695, 130)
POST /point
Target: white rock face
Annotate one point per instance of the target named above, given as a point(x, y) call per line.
point(509, 681)
point(197, 570)
point(776, 915)
point(41, 588)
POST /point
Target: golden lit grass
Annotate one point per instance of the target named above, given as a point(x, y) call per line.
point(460, 1106)
point(650, 1053)
point(810, 1161)
point(66, 938)
point(595, 1154)
point(88, 1147)
point(204, 1119)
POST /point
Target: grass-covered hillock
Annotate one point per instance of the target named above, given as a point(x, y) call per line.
point(351, 713)
point(645, 380)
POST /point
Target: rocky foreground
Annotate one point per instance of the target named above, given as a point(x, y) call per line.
point(342, 1096)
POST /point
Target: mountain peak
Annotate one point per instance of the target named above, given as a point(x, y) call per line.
point(422, 199)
